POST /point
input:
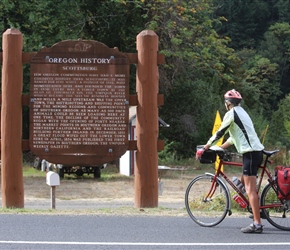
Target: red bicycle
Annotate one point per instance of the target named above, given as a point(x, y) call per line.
point(208, 198)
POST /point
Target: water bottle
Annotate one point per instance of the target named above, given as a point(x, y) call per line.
point(239, 184)
point(240, 201)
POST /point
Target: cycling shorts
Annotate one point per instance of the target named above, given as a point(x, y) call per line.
point(251, 162)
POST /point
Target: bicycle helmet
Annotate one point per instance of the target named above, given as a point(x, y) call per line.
point(233, 97)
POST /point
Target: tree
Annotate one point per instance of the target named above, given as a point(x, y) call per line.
point(261, 85)
point(244, 21)
point(115, 23)
point(282, 8)
point(279, 129)
point(276, 47)
point(50, 21)
point(199, 68)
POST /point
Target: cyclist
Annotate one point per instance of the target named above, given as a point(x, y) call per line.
point(243, 136)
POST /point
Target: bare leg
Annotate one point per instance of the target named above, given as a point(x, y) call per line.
point(242, 180)
point(250, 185)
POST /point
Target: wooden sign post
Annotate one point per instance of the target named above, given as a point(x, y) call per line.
point(11, 121)
point(146, 174)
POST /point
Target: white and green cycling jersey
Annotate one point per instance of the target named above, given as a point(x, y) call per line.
point(241, 130)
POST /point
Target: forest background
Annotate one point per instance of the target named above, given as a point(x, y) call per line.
point(211, 46)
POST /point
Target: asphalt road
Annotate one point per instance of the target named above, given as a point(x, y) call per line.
point(22, 231)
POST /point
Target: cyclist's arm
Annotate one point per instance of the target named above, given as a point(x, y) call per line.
point(226, 145)
point(226, 123)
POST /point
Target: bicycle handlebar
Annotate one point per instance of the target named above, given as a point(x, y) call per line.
point(220, 150)
point(221, 153)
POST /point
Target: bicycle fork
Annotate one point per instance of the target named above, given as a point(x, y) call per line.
point(216, 181)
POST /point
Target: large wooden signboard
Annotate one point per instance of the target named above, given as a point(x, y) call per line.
point(79, 106)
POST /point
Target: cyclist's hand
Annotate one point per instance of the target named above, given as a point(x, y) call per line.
point(199, 153)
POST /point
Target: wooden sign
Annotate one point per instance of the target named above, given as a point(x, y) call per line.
point(79, 103)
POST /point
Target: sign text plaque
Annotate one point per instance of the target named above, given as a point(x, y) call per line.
point(79, 103)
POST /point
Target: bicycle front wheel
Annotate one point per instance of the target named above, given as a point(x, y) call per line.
point(275, 212)
point(206, 202)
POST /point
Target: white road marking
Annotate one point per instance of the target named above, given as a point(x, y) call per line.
point(146, 243)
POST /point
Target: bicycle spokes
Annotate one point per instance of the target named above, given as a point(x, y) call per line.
point(275, 211)
point(206, 201)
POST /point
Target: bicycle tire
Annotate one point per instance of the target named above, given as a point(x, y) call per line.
point(206, 213)
point(275, 215)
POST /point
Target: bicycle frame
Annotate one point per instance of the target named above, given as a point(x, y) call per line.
point(219, 173)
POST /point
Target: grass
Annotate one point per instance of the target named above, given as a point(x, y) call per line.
point(29, 171)
point(111, 173)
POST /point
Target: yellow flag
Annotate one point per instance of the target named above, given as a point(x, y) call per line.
point(216, 126)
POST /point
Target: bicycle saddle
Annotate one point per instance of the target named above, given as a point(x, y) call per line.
point(269, 153)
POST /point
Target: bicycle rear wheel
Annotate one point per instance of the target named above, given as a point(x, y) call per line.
point(207, 211)
point(277, 214)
